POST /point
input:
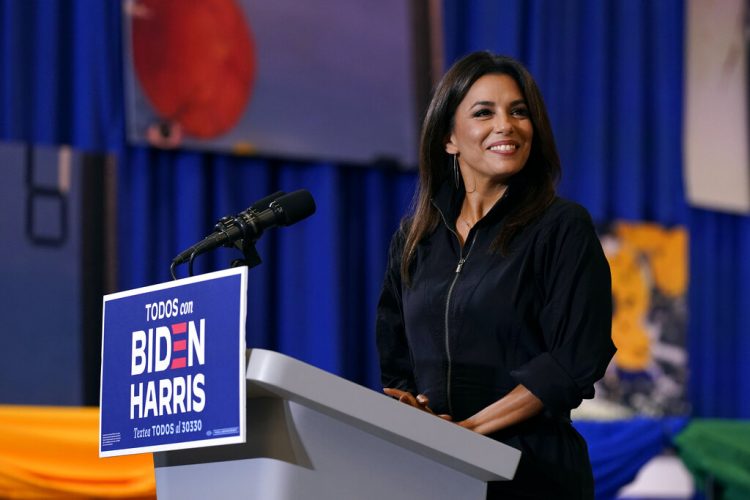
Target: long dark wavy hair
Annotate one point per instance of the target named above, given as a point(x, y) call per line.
point(533, 188)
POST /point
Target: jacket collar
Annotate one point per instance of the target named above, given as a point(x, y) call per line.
point(448, 202)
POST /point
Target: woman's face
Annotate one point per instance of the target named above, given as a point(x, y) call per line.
point(492, 132)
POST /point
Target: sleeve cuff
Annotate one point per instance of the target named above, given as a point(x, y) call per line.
point(548, 381)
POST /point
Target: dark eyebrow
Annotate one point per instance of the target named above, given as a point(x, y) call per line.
point(483, 103)
point(491, 103)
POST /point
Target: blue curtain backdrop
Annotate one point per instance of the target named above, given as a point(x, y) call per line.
point(611, 72)
point(314, 295)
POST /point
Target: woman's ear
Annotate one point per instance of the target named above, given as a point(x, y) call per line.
point(450, 146)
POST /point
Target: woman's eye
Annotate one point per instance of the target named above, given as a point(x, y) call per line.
point(482, 113)
point(523, 112)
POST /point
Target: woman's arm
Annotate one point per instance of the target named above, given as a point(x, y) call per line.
point(575, 320)
point(515, 407)
point(390, 334)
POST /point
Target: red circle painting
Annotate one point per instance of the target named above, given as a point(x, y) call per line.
point(195, 61)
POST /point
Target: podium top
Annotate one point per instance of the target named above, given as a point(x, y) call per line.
point(444, 442)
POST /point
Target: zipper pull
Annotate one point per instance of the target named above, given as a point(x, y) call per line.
point(460, 264)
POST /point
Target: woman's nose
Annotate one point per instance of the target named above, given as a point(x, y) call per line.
point(503, 124)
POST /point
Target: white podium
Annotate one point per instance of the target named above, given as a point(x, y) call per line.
point(313, 435)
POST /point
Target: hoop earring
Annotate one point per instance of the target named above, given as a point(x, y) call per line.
point(456, 176)
point(475, 187)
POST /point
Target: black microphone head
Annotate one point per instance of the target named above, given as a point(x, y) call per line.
point(263, 203)
point(294, 207)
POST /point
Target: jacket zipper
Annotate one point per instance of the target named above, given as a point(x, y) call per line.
point(459, 266)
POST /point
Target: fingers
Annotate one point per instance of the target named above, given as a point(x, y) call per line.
point(409, 399)
point(424, 403)
point(467, 424)
point(420, 401)
point(394, 393)
point(402, 396)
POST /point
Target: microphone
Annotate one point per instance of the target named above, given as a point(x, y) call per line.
point(277, 209)
point(263, 203)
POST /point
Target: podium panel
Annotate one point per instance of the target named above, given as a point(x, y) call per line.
point(313, 435)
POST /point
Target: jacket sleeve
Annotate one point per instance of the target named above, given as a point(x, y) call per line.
point(393, 349)
point(576, 315)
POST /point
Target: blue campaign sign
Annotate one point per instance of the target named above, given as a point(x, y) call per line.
point(173, 365)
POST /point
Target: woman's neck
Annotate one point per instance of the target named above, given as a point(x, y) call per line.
point(479, 202)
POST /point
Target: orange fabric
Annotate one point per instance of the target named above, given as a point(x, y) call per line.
point(53, 452)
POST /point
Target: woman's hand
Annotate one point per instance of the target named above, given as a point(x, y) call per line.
point(420, 402)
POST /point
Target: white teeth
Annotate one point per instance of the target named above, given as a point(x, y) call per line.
point(504, 147)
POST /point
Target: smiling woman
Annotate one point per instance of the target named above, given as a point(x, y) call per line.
point(491, 141)
point(496, 307)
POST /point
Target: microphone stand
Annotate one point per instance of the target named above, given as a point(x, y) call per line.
point(245, 245)
point(252, 257)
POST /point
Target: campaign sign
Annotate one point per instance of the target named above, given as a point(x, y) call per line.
point(173, 365)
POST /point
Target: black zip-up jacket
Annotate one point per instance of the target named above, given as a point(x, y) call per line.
point(474, 323)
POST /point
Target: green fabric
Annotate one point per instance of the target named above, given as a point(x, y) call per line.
point(719, 449)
